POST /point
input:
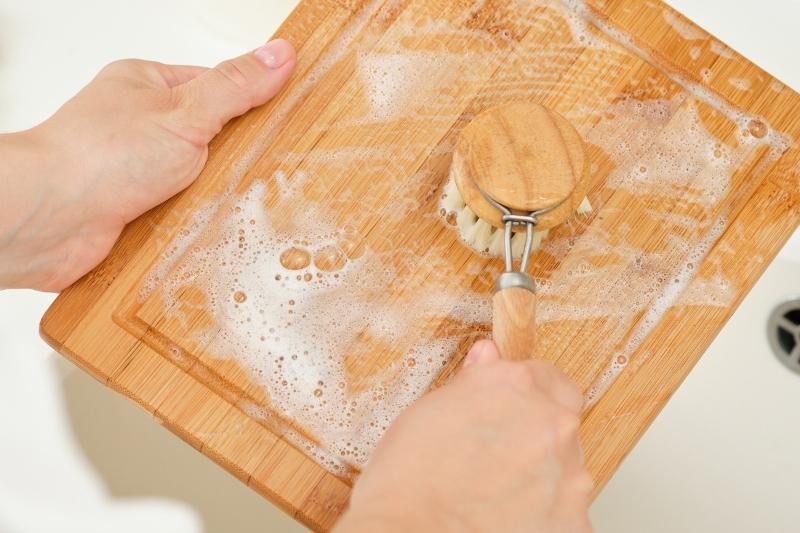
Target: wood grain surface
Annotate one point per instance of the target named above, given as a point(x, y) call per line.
point(524, 156)
point(695, 183)
point(519, 155)
point(513, 311)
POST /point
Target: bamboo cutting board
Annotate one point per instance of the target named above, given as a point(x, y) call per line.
point(279, 313)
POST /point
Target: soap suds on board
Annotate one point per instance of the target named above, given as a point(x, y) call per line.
point(394, 81)
point(290, 324)
point(742, 84)
point(294, 295)
point(683, 27)
point(674, 160)
point(722, 50)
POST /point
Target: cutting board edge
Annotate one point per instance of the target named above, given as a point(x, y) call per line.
point(191, 438)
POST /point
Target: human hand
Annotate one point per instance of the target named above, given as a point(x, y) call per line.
point(131, 139)
point(495, 450)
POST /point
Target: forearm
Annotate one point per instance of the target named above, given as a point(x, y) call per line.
point(403, 502)
point(24, 202)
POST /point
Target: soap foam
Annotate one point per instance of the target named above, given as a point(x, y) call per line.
point(681, 160)
point(722, 50)
point(741, 84)
point(289, 327)
point(683, 27)
point(394, 81)
point(297, 326)
point(669, 290)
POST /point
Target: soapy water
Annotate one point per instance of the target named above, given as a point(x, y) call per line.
point(674, 156)
point(291, 313)
point(685, 28)
point(342, 320)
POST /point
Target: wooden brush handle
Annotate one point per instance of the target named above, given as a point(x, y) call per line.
point(514, 322)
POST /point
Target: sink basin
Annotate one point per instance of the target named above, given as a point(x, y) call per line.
point(722, 455)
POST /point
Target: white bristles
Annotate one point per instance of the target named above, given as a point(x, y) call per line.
point(481, 235)
point(585, 207)
point(451, 199)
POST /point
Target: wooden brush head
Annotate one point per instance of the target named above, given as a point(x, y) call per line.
point(527, 158)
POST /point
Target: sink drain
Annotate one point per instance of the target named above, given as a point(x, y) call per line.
point(784, 333)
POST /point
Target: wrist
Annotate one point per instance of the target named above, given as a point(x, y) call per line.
point(394, 516)
point(42, 216)
point(375, 520)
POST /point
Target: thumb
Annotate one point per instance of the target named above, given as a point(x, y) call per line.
point(235, 86)
point(482, 352)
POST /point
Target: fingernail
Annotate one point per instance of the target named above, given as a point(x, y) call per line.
point(275, 54)
point(474, 355)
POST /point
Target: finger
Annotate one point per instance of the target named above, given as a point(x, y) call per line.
point(557, 385)
point(235, 86)
point(482, 352)
point(175, 75)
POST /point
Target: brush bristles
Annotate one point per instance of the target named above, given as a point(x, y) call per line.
point(585, 208)
point(481, 235)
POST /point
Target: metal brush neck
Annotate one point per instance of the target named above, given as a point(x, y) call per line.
point(511, 219)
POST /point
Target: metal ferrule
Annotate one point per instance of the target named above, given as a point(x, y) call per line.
point(510, 278)
point(515, 280)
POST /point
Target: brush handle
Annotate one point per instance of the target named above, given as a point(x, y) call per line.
point(514, 320)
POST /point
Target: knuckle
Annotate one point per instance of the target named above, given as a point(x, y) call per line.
point(181, 98)
point(542, 366)
point(188, 117)
point(196, 131)
point(584, 482)
point(503, 374)
point(233, 73)
point(519, 375)
point(573, 393)
point(549, 444)
point(568, 391)
point(567, 425)
point(544, 373)
point(576, 399)
point(118, 67)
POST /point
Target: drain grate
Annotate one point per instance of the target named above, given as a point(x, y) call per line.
point(784, 333)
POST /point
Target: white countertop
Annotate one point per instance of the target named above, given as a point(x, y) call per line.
point(68, 459)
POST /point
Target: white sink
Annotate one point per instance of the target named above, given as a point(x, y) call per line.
point(723, 455)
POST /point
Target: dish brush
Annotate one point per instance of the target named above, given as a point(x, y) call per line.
point(518, 171)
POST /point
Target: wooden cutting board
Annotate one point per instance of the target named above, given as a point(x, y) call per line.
point(281, 311)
